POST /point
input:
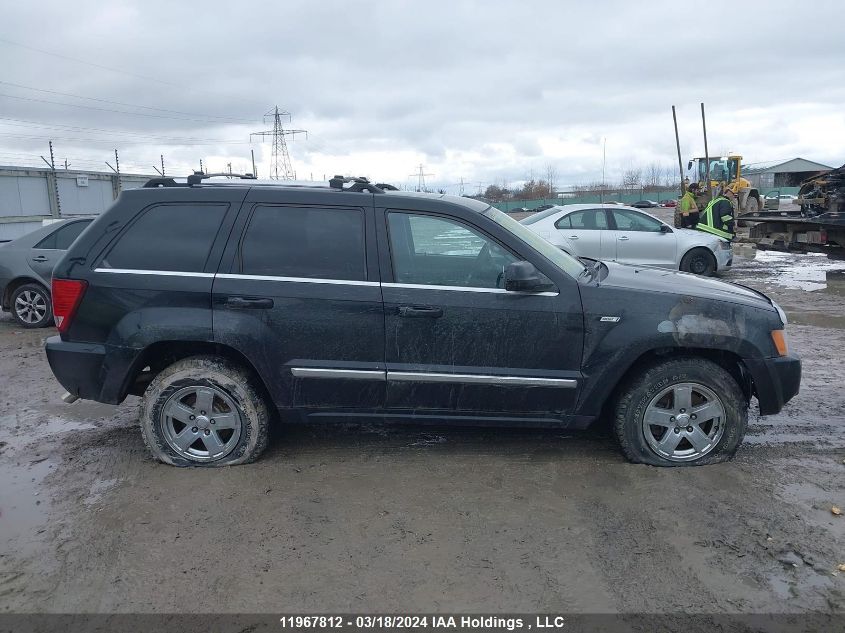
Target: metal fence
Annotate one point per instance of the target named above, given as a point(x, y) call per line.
point(29, 196)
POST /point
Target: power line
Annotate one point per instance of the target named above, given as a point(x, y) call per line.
point(79, 105)
point(103, 67)
point(121, 103)
point(79, 128)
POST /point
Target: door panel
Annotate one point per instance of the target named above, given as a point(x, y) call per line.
point(640, 240)
point(587, 230)
point(301, 298)
point(475, 347)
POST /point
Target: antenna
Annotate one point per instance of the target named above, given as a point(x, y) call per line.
point(280, 163)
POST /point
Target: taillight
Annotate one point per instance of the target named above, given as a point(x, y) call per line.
point(67, 294)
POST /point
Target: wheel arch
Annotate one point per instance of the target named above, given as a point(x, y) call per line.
point(729, 361)
point(161, 354)
point(16, 283)
point(698, 247)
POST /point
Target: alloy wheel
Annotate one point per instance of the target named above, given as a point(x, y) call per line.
point(31, 306)
point(684, 422)
point(201, 423)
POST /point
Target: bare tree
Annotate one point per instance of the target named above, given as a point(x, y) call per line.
point(632, 178)
point(653, 175)
point(551, 177)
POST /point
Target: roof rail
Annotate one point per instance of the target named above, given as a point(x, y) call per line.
point(197, 177)
point(163, 182)
point(359, 184)
point(386, 186)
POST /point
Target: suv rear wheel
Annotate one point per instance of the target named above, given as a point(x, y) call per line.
point(204, 411)
point(685, 412)
point(31, 306)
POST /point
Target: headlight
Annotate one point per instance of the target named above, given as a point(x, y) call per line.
point(724, 245)
point(781, 313)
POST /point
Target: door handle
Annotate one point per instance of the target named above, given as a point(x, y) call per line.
point(40, 259)
point(624, 238)
point(573, 237)
point(255, 303)
point(411, 312)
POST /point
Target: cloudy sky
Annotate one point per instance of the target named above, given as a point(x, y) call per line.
point(480, 91)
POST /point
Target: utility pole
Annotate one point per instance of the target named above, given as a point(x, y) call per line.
point(280, 163)
point(462, 186)
point(229, 165)
point(420, 175)
point(201, 171)
point(52, 165)
point(706, 152)
point(254, 171)
point(162, 165)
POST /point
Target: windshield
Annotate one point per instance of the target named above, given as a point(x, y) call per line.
point(558, 257)
point(720, 169)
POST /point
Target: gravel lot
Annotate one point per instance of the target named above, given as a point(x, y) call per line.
point(363, 519)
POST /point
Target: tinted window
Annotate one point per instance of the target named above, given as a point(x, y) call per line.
point(588, 220)
point(564, 223)
point(305, 242)
point(64, 236)
point(168, 237)
point(435, 251)
point(627, 220)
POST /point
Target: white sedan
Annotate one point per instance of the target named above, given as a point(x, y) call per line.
point(630, 236)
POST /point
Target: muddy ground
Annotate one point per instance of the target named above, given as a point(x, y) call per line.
point(366, 519)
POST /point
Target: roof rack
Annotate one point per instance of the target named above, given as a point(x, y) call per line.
point(197, 177)
point(194, 179)
point(359, 184)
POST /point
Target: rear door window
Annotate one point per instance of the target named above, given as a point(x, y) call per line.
point(586, 220)
point(62, 238)
point(306, 242)
point(171, 237)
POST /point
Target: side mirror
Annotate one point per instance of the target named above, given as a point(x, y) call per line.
point(664, 228)
point(524, 277)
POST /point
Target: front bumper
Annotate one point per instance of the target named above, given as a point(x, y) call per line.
point(724, 258)
point(776, 381)
point(90, 371)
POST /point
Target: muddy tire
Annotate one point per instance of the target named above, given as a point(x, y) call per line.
point(204, 411)
point(699, 261)
point(682, 412)
point(31, 306)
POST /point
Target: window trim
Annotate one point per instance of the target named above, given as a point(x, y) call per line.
point(446, 217)
point(238, 264)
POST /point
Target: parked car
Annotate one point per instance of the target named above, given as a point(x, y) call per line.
point(669, 203)
point(225, 303)
point(630, 236)
point(645, 204)
point(26, 265)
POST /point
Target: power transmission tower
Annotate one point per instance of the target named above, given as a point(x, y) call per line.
point(420, 177)
point(280, 165)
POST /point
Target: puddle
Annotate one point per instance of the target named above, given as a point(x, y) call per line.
point(24, 504)
point(796, 271)
point(24, 501)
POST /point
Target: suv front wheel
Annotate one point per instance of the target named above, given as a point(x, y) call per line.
point(204, 411)
point(683, 412)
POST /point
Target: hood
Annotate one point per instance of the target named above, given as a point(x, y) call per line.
point(653, 279)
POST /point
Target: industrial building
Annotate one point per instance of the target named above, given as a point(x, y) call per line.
point(30, 196)
point(790, 173)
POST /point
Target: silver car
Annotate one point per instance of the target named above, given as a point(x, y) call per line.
point(630, 236)
point(26, 266)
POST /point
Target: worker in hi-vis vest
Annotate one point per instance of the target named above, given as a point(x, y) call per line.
point(718, 216)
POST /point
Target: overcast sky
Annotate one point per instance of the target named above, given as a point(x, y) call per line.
point(480, 91)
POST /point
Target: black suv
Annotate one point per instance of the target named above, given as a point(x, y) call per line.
point(227, 303)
